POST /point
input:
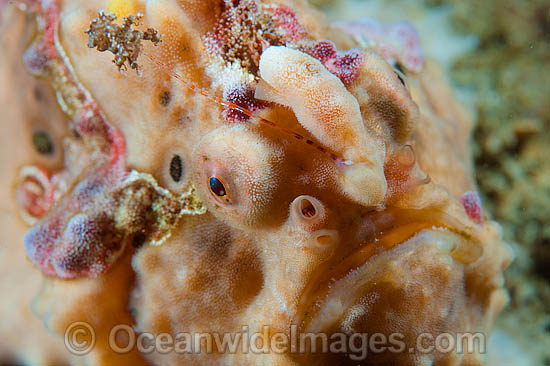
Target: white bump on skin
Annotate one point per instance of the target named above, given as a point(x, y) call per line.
point(325, 107)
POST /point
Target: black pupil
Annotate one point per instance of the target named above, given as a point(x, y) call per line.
point(42, 142)
point(400, 78)
point(217, 187)
point(399, 67)
point(176, 168)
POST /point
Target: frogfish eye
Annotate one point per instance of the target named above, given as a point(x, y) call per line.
point(217, 187)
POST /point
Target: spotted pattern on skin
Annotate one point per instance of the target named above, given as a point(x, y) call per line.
point(472, 204)
point(86, 230)
point(285, 19)
point(345, 65)
point(243, 96)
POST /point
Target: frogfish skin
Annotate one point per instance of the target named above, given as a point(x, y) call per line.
point(244, 164)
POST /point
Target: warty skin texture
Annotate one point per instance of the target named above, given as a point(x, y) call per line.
point(381, 243)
